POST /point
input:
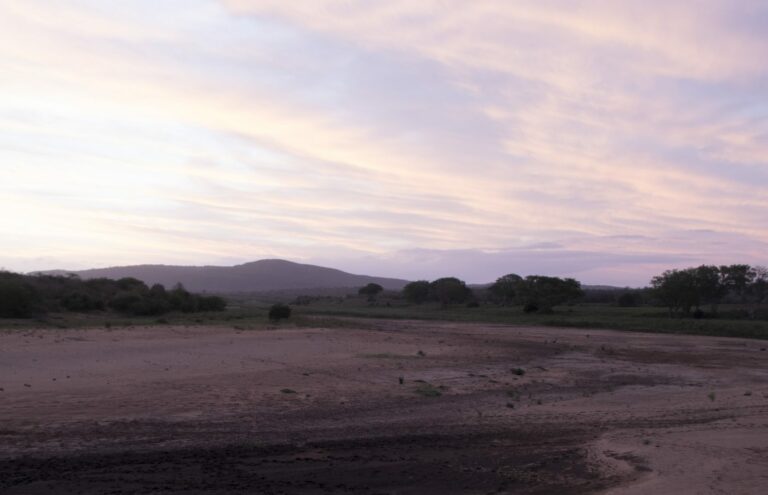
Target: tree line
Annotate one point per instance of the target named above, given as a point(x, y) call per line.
point(23, 296)
point(535, 293)
point(693, 292)
point(699, 291)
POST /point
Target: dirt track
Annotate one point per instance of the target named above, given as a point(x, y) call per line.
point(218, 410)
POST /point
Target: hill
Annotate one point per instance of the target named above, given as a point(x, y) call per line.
point(257, 276)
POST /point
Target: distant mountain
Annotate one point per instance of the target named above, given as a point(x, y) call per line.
point(257, 276)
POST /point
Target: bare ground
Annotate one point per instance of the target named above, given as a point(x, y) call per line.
point(481, 409)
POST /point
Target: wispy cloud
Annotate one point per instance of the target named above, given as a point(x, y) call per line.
point(199, 131)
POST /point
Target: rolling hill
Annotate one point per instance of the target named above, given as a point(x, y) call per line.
point(257, 276)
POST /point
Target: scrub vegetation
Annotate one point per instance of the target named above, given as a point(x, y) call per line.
point(25, 296)
point(705, 300)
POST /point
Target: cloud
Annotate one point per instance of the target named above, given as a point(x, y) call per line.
point(235, 129)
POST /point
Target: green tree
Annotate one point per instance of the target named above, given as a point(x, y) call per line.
point(544, 293)
point(736, 279)
point(709, 286)
point(416, 292)
point(504, 290)
point(450, 290)
point(18, 299)
point(677, 290)
point(371, 291)
point(758, 289)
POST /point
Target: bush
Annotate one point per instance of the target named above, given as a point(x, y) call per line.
point(79, 301)
point(530, 308)
point(17, 298)
point(279, 312)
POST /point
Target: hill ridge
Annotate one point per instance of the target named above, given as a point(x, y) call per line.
point(271, 274)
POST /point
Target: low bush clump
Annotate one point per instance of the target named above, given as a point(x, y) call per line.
point(279, 312)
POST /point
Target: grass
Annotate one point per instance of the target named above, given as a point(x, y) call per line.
point(586, 316)
point(252, 315)
point(251, 318)
point(428, 390)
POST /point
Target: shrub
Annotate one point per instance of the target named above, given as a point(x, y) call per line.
point(530, 308)
point(17, 298)
point(279, 312)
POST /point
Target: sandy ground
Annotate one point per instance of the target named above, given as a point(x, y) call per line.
point(220, 410)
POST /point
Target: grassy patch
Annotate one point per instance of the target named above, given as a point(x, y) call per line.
point(586, 316)
point(353, 314)
point(428, 390)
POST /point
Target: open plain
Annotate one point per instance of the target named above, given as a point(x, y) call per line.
point(380, 407)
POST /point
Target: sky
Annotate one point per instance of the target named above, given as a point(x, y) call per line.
point(605, 140)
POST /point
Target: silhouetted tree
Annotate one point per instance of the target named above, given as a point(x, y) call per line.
point(709, 286)
point(23, 295)
point(737, 279)
point(450, 290)
point(371, 291)
point(505, 288)
point(758, 290)
point(544, 293)
point(18, 299)
point(416, 292)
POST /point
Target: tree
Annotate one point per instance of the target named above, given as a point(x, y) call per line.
point(18, 299)
point(736, 279)
point(28, 294)
point(450, 290)
point(544, 293)
point(371, 290)
point(708, 282)
point(676, 289)
point(416, 292)
point(758, 290)
point(505, 288)
point(182, 300)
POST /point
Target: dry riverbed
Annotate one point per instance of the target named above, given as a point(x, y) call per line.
point(385, 407)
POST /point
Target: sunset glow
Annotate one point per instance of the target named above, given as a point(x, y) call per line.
point(595, 139)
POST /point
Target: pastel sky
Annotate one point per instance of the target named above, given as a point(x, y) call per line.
point(605, 140)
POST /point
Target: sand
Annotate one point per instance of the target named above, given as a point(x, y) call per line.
point(215, 409)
